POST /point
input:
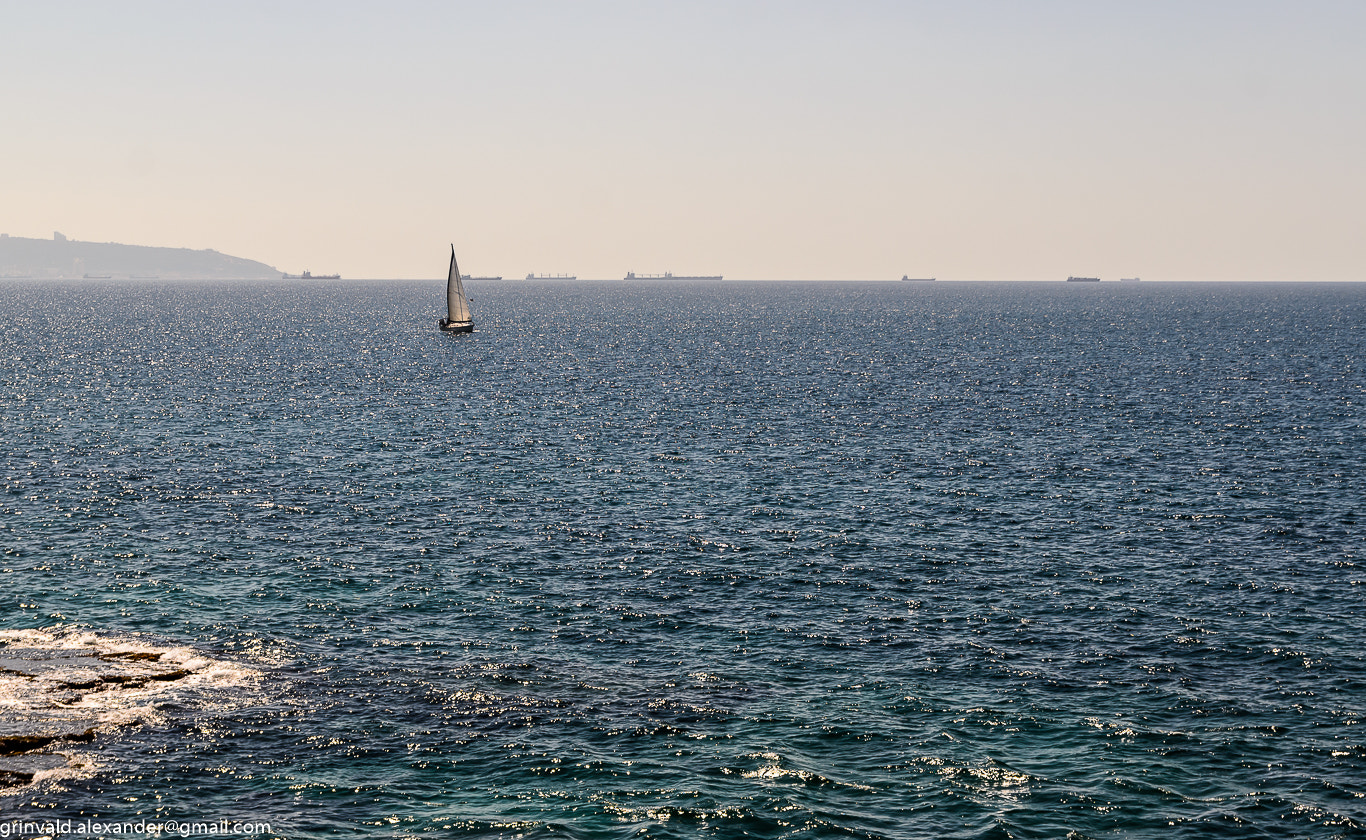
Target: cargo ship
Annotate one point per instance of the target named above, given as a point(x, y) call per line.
point(631, 275)
point(551, 277)
point(310, 276)
point(1083, 279)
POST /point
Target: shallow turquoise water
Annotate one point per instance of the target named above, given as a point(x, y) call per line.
point(649, 560)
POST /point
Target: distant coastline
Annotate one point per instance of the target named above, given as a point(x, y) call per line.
point(60, 258)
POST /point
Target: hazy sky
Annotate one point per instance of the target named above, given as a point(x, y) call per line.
point(763, 140)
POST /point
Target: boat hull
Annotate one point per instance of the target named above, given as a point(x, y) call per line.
point(631, 275)
point(456, 326)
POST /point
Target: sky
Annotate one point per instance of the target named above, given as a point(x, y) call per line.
point(839, 140)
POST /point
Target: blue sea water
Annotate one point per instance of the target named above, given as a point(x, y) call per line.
point(666, 560)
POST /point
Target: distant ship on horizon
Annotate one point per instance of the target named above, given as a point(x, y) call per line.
point(631, 275)
point(551, 277)
point(906, 279)
point(1083, 279)
point(310, 276)
point(467, 277)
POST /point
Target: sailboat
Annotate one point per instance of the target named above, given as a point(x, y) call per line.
point(457, 305)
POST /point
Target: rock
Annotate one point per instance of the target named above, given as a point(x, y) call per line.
point(21, 733)
point(20, 769)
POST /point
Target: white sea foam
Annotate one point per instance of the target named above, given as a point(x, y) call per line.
point(62, 685)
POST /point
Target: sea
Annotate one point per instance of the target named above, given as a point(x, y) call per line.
point(660, 559)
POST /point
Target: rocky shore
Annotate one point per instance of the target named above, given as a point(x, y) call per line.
point(56, 693)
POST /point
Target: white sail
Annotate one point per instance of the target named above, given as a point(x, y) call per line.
point(457, 305)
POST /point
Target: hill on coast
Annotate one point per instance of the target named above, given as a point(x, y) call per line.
point(60, 257)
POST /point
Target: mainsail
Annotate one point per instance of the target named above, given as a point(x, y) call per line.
point(457, 305)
